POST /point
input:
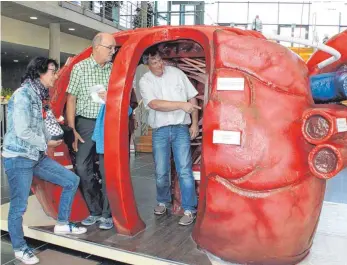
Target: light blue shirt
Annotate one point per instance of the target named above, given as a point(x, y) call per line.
point(98, 135)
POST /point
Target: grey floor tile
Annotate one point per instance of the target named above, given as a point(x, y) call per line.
point(144, 187)
point(6, 252)
point(327, 249)
point(4, 180)
point(33, 243)
point(65, 250)
point(148, 157)
point(142, 172)
point(146, 212)
point(6, 238)
point(94, 258)
point(103, 261)
point(5, 191)
point(136, 163)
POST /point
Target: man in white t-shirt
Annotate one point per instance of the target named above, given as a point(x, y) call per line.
point(170, 98)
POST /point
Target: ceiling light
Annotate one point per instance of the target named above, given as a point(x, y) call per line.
point(16, 61)
point(33, 17)
point(71, 29)
point(27, 56)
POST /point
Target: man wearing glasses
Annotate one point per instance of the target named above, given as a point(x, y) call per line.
point(82, 112)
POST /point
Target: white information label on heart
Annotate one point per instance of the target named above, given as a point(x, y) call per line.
point(226, 137)
point(341, 124)
point(231, 83)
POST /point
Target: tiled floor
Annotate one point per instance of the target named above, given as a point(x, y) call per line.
point(142, 171)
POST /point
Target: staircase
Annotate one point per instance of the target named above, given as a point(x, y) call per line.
point(144, 143)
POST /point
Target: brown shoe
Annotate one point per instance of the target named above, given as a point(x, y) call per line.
point(160, 209)
point(188, 218)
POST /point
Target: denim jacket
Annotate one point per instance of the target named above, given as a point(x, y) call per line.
point(26, 133)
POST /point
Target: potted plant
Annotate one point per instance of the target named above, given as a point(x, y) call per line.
point(6, 94)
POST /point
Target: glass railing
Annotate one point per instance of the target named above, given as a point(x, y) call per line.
point(121, 14)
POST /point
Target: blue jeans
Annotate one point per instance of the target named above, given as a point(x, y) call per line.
point(177, 137)
point(20, 172)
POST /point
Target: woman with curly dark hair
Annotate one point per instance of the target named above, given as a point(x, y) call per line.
point(24, 155)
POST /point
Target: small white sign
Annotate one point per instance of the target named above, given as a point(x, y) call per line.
point(196, 175)
point(69, 166)
point(231, 83)
point(58, 153)
point(341, 124)
point(226, 137)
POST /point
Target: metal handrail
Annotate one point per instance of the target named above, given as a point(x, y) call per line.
point(335, 55)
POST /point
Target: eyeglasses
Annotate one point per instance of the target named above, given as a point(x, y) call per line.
point(53, 70)
point(109, 47)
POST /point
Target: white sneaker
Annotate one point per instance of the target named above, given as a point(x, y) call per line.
point(69, 229)
point(26, 256)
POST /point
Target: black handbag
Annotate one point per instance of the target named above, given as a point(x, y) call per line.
point(69, 136)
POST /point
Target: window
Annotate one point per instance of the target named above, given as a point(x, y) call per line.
point(75, 2)
point(294, 14)
point(96, 7)
point(175, 8)
point(162, 6)
point(321, 31)
point(210, 14)
point(286, 32)
point(189, 20)
point(175, 19)
point(325, 14)
point(190, 8)
point(162, 21)
point(270, 29)
point(343, 14)
point(267, 13)
point(233, 13)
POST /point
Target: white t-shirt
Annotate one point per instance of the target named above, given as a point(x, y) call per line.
point(173, 85)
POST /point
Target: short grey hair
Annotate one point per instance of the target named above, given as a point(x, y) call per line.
point(97, 40)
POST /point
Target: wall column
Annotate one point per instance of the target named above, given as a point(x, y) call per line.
point(54, 41)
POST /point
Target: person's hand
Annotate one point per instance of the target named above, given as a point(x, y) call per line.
point(189, 107)
point(102, 95)
point(77, 138)
point(194, 131)
point(54, 143)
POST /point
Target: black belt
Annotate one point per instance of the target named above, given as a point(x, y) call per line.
point(81, 117)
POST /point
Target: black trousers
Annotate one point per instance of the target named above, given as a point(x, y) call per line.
point(95, 198)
